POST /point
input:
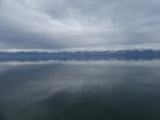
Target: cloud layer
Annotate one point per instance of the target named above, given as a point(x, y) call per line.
point(77, 24)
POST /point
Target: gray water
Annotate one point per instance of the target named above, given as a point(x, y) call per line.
point(80, 90)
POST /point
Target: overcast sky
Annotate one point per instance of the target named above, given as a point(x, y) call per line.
point(79, 24)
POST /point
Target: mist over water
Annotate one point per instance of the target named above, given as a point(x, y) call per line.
point(80, 90)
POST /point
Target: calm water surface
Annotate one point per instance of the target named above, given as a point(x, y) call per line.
point(80, 90)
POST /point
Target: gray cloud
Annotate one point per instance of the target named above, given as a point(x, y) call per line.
point(77, 24)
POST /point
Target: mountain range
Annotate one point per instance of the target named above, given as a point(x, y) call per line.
point(145, 54)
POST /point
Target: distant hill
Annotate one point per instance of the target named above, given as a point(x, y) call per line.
point(147, 54)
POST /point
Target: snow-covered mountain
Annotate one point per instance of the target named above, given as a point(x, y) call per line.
point(146, 54)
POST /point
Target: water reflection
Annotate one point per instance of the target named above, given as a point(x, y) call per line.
point(96, 90)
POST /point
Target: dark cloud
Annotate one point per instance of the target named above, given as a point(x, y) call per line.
point(76, 24)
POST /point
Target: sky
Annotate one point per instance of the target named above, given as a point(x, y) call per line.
point(79, 24)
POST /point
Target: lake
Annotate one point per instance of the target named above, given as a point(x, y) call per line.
point(80, 90)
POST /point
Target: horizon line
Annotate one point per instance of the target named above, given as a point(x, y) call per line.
point(69, 50)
